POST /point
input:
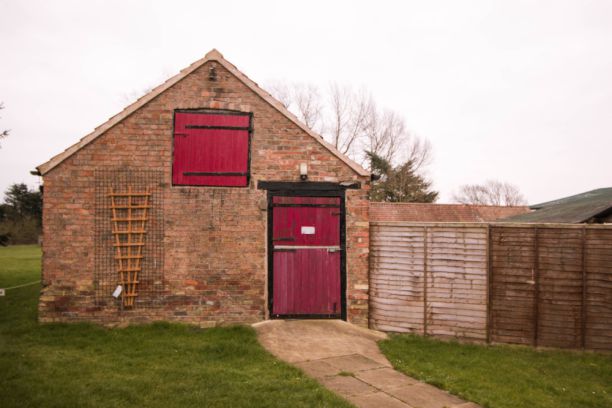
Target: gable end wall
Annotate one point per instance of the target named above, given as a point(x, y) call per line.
point(214, 258)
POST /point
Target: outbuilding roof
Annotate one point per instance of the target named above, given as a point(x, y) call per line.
point(574, 209)
point(213, 55)
point(422, 212)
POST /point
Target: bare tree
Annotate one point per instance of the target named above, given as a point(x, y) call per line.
point(386, 134)
point(492, 192)
point(388, 137)
point(3, 133)
point(351, 121)
point(350, 115)
point(419, 152)
point(304, 100)
point(308, 103)
point(281, 91)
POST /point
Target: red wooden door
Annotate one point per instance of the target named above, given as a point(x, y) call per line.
point(307, 258)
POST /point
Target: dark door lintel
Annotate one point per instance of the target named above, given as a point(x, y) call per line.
point(295, 186)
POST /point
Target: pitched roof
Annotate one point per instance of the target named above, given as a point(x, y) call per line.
point(421, 212)
point(572, 210)
point(213, 55)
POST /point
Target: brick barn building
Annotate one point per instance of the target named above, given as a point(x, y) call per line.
point(206, 202)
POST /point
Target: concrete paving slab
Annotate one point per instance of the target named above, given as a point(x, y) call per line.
point(353, 363)
point(377, 400)
point(317, 368)
point(426, 396)
point(347, 385)
point(385, 379)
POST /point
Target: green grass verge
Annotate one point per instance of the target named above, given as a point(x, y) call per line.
point(158, 365)
point(19, 264)
point(506, 376)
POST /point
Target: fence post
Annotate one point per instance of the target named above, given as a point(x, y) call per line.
point(489, 284)
point(583, 305)
point(536, 278)
point(425, 250)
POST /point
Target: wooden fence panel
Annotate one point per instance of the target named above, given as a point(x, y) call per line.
point(513, 283)
point(457, 282)
point(598, 289)
point(560, 287)
point(397, 278)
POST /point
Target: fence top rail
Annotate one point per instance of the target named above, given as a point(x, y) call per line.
point(487, 224)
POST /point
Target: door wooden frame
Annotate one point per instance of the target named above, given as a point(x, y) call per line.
point(306, 189)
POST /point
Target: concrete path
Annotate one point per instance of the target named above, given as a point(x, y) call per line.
point(346, 359)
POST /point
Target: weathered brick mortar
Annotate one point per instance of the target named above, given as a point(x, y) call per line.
point(215, 237)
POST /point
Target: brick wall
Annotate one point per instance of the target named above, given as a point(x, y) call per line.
point(215, 269)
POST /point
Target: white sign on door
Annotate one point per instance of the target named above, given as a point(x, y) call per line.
point(308, 230)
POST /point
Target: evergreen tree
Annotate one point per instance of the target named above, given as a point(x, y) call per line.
point(399, 184)
point(20, 215)
point(22, 202)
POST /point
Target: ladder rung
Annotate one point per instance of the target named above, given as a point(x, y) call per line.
point(129, 207)
point(129, 194)
point(130, 270)
point(128, 219)
point(130, 232)
point(125, 244)
point(129, 257)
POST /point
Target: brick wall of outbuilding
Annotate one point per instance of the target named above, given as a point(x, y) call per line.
point(215, 269)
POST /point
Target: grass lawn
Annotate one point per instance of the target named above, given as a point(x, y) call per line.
point(506, 376)
point(159, 365)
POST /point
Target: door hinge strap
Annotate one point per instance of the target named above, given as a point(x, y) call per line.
point(329, 248)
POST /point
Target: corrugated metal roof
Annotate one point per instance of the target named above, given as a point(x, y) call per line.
point(422, 212)
point(573, 209)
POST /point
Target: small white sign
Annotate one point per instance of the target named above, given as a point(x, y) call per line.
point(117, 291)
point(2, 293)
point(308, 230)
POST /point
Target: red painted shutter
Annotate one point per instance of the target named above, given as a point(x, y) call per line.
point(211, 149)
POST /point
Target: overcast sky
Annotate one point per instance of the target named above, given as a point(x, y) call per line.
point(509, 90)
